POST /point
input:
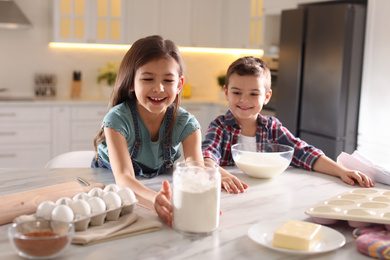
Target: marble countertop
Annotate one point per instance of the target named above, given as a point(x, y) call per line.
point(282, 198)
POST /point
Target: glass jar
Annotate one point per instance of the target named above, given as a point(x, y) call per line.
point(196, 197)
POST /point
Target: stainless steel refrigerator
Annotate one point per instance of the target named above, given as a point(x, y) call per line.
point(319, 78)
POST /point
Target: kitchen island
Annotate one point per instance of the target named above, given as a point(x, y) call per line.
point(282, 198)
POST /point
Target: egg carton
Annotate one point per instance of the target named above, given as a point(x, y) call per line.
point(360, 207)
point(98, 219)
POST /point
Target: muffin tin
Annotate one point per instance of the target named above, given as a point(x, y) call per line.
point(82, 223)
point(360, 207)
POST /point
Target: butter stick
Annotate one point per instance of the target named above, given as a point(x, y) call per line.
point(297, 235)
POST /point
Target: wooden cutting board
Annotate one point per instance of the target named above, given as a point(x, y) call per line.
point(27, 202)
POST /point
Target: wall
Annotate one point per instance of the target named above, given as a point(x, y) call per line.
point(26, 52)
point(374, 123)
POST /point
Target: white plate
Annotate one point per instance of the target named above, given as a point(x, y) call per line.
point(263, 234)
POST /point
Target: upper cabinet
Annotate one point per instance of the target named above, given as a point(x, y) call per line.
point(242, 23)
point(169, 18)
point(189, 23)
point(275, 7)
point(89, 21)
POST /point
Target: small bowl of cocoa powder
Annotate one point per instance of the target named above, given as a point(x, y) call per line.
point(40, 239)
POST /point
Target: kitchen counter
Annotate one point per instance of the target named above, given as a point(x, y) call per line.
point(4, 101)
point(284, 197)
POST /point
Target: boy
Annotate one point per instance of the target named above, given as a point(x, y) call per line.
point(247, 88)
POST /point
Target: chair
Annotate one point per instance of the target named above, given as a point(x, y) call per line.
point(75, 159)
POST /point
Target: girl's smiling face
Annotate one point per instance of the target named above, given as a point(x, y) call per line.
point(156, 85)
point(246, 96)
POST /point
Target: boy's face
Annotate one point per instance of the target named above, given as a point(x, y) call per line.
point(246, 96)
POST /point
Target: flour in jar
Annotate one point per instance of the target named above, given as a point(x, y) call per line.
point(196, 206)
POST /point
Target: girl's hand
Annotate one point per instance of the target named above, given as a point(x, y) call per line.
point(233, 184)
point(350, 176)
point(162, 203)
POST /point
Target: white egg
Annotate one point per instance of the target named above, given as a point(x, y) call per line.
point(127, 196)
point(96, 192)
point(80, 208)
point(97, 204)
point(44, 209)
point(64, 201)
point(111, 187)
point(62, 213)
point(112, 200)
point(81, 195)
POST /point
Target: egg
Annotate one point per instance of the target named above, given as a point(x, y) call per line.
point(62, 213)
point(96, 192)
point(64, 201)
point(45, 209)
point(112, 200)
point(127, 196)
point(80, 208)
point(111, 187)
point(81, 195)
point(97, 204)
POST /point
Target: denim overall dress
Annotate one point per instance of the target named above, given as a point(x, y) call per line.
point(140, 169)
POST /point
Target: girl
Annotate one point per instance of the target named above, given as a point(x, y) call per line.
point(142, 132)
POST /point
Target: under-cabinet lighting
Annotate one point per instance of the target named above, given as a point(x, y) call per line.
point(258, 52)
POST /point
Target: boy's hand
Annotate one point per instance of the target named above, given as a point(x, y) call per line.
point(162, 203)
point(350, 176)
point(233, 184)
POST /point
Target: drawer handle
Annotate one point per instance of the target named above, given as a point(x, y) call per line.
point(7, 133)
point(7, 155)
point(7, 114)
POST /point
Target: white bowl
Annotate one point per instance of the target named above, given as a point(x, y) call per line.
point(261, 160)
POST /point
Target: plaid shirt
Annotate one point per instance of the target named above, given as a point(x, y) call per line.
point(224, 131)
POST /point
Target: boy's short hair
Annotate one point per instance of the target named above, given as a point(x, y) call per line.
point(250, 66)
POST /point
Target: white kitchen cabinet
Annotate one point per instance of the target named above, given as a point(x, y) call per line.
point(33, 133)
point(25, 156)
point(61, 133)
point(75, 126)
point(171, 19)
point(207, 23)
point(142, 19)
point(176, 21)
point(85, 124)
point(242, 23)
point(199, 111)
point(205, 112)
point(25, 136)
point(189, 23)
point(89, 21)
point(272, 7)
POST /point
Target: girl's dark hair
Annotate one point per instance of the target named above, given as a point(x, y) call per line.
point(141, 52)
point(250, 66)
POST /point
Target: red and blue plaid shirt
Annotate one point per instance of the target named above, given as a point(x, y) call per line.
point(224, 131)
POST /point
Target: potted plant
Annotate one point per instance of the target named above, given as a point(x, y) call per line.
point(108, 74)
point(221, 82)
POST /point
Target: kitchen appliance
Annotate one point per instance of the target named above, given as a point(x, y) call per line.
point(273, 64)
point(11, 17)
point(319, 78)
